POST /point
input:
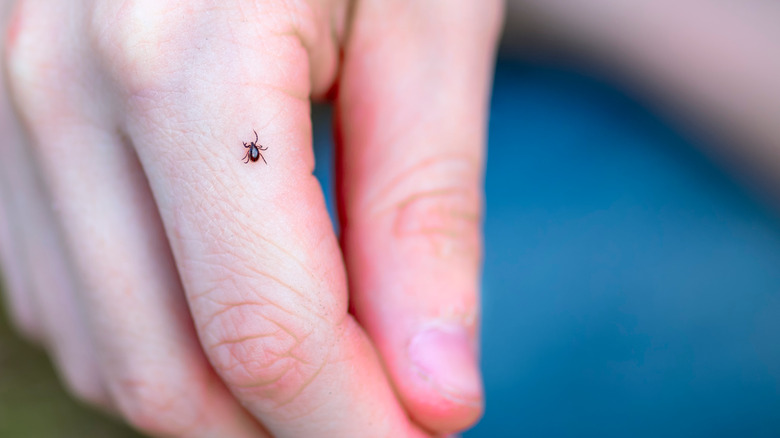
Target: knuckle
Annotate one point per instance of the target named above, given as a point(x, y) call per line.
point(153, 47)
point(266, 353)
point(435, 208)
point(443, 221)
point(159, 406)
point(31, 50)
point(139, 39)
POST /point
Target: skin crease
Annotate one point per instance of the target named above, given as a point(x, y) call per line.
point(208, 297)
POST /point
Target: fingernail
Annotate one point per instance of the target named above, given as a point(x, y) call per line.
point(444, 356)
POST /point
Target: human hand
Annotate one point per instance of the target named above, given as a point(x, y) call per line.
point(153, 257)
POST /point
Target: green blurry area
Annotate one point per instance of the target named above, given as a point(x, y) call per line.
point(33, 402)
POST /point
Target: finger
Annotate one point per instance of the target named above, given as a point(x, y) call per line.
point(17, 292)
point(43, 295)
point(253, 242)
point(148, 353)
point(411, 115)
point(20, 307)
point(41, 257)
point(20, 304)
point(47, 305)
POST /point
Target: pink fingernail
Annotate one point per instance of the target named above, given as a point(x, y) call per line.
point(445, 357)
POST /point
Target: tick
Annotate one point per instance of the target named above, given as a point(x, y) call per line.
point(254, 150)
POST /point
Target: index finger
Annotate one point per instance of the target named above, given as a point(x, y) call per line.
point(253, 242)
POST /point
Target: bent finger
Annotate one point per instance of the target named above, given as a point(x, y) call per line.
point(133, 305)
point(256, 251)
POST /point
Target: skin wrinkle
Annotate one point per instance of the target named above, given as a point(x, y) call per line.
point(443, 212)
point(289, 255)
point(229, 306)
point(265, 274)
point(449, 209)
point(423, 167)
point(289, 353)
point(298, 340)
point(302, 387)
point(285, 285)
point(238, 363)
point(241, 339)
point(204, 294)
point(438, 193)
point(197, 152)
point(222, 237)
point(295, 367)
point(279, 356)
point(307, 383)
point(204, 326)
point(264, 383)
point(243, 360)
point(230, 204)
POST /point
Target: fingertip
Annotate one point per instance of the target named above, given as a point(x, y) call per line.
point(445, 393)
point(444, 416)
point(445, 358)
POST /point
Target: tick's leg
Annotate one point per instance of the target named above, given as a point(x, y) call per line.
point(262, 148)
point(246, 156)
point(256, 137)
point(261, 156)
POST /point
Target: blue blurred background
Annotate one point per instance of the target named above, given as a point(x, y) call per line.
point(631, 287)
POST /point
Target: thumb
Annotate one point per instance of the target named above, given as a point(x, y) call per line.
point(411, 125)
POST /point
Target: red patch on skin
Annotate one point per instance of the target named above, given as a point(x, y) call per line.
point(14, 25)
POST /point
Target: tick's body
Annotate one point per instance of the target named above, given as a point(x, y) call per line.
point(253, 154)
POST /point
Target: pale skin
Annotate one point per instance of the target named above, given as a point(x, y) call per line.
point(195, 295)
